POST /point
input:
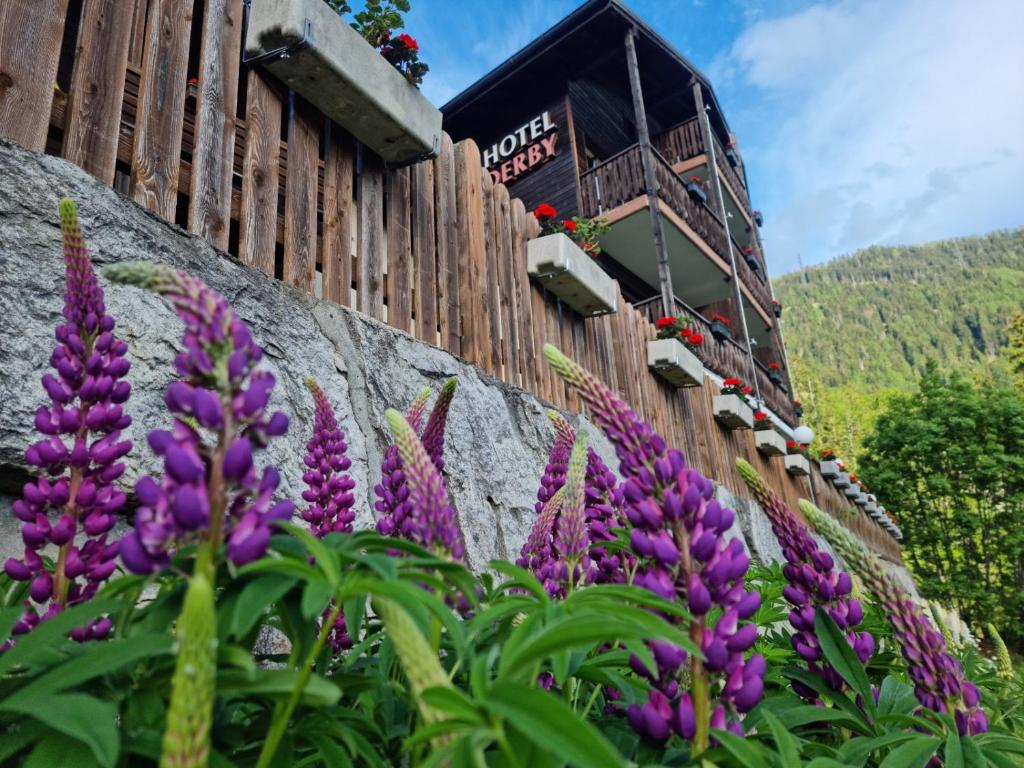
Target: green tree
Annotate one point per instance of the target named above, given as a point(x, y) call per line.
point(1014, 351)
point(949, 461)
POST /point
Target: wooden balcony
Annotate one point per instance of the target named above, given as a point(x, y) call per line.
point(684, 142)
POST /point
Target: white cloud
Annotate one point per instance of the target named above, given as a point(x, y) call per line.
point(881, 122)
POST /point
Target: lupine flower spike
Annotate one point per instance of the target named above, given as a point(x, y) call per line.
point(939, 681)
point(329, 488)
point(557, 549)
point(436, 528)
point(678, 538)
point(394, 499)
point(80, 452)
point(814, 582)
point(1004, 664)
point(211, 490)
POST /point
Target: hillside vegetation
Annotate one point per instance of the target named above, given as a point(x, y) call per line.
point(862, 327)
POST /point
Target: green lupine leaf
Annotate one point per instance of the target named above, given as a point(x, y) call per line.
point(85, 718)
point(913, 754)
point(841, 656)
point(253, 600)
point(789, 750)
point(278, 683)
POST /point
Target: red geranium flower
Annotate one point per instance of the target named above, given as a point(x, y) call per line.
point(696, 339)
point(791, 443)
point(747, 390)
point(731, 382)
point(773, 366)
point(569, 225)
point(408, 41)
point(696, 180)
point(747, 250)
point(665, 322)
point(544, 212)
point(686, 333)
point(720, 318)
point(760, 416)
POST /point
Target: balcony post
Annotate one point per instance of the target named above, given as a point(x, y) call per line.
point(650, 182)
point(709, 148)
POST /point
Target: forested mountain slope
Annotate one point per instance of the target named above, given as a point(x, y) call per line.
point(865, 325)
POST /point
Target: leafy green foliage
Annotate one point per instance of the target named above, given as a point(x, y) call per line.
point(862, 328)
point(949, 459)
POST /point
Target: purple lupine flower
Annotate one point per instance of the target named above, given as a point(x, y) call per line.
point(678, 538)
point(558, 460)
point(604, 503)
point(400, 517)
point(814, 582)
point(329, 491)
point(437, 529)
point(557, 548)
point(211, 489)
point(80, 453)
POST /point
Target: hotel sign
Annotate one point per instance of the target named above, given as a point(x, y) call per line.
point(530, 145)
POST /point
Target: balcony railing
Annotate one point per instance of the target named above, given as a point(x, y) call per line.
point(775, 396)
point(684, 141)
point(620, 179)
point(755, 282)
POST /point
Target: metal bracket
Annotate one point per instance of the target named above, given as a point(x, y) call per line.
point(434, 152)
point(284, 52)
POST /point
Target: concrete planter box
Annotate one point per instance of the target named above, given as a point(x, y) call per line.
point(733, 412)
point(672, 361)
point(861, 500)
point(852, 492)
point(769, 442)
point(318, 55)
point(797, 464)
point(871, 508)
point(561, 266)
point(842, 480)
point(829, 469)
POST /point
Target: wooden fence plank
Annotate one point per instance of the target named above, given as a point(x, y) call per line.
point(447, 248)
point(526, 349)
point(399, 257)
point(339, 215)
point(300, 195)
point(472, 257)
point(97, 88)
point(30, 40)
point(137, 40)
point(257, 220)
point(213, 155)
point(156, 148)
point(371, 244)
point(504, 253)
point(423, 251)
point(491, 306)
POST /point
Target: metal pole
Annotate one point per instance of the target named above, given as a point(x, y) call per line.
point(650, 181)
point(710, 152)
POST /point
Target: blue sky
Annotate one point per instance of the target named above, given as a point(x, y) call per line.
point(872, 122)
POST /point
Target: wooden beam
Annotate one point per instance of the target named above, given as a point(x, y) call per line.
point(650, 182)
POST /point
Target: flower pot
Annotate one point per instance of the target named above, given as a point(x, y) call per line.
point(733, 412)
point(798, 411)
point(672, 361)
point(842, 480)
point(851, 492)
point(777, 310)
point(752, 261)
point(871, 508)
point(758, 219)
point(732, 156)
point(561, 266)
point(775, 378)
point(829, 469)
point(318, 55)
point(720, 330)
point(797, 464)
point(697, 191)
point(861, 500)
point(769, 442)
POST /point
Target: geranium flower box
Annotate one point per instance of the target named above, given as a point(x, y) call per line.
point(797, 464)
point(842, 480)
point(732, 156)
point(671, 360)
point(769, 442)
point(720, 330)
point(871, 508)
point(758, 219)
point(775, 378)
point(697, 191)
point(861, 500)
point(851, 492)
point(313, 51)
point(561, 266)
point(733, 412)
point(829, 469)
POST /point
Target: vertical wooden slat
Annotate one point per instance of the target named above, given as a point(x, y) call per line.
point(371, 245)
point(213, 153)
point(156, 145)
point(447, 247)
point(97, 87)
point(506, 298)
point(526, 351)
point(472, 257)
point(136, 42)
point(257, 221)
point(491, 305)
point(30, 40)
point(300, 195)
point(423, 243)
point(339, 215)
point(400, 269)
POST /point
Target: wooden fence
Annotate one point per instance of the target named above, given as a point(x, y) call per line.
point(150, 96)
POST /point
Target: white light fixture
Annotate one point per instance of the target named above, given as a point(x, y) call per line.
point(803, 434)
